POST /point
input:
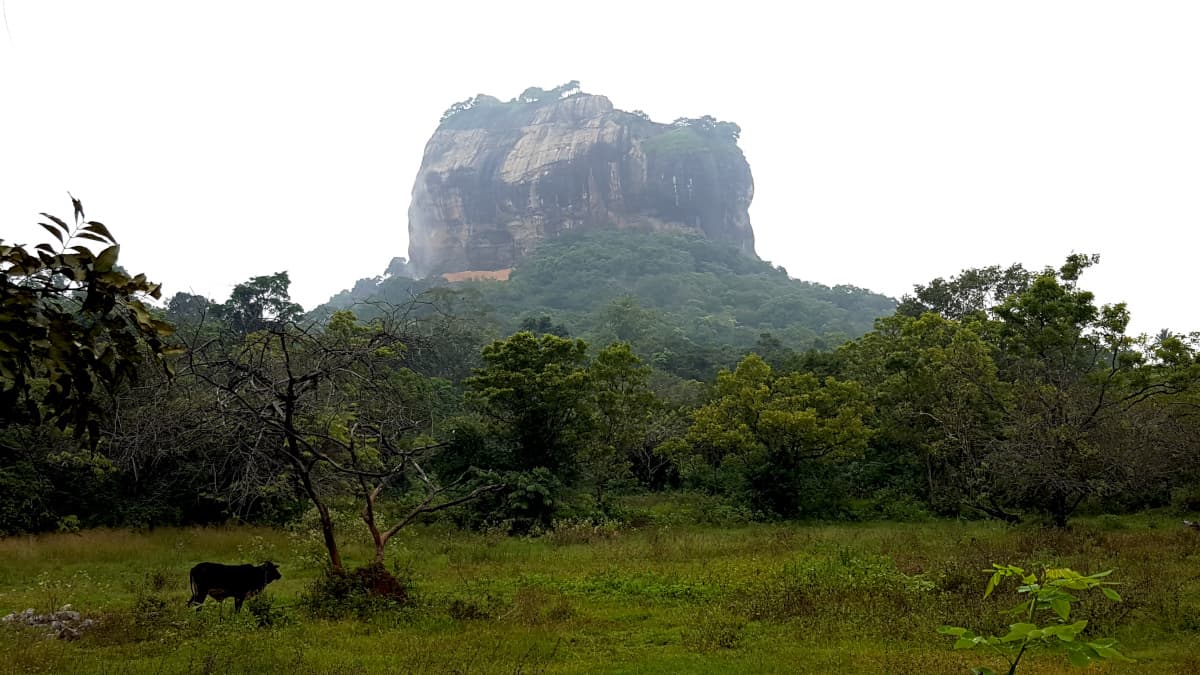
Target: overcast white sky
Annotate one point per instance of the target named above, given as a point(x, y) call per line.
point(891, 142)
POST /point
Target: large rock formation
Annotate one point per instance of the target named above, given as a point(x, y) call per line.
point(498, 178)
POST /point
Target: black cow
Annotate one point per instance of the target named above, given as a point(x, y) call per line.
point(223, 581)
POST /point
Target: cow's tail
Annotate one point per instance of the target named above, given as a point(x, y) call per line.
point(194, 587)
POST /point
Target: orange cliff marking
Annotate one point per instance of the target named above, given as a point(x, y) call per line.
point(495, 275)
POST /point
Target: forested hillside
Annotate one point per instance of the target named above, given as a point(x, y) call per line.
point(685, 304)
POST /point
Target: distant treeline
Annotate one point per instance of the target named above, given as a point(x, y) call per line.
point(606, 365)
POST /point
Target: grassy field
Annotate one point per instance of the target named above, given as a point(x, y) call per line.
point(660, 599)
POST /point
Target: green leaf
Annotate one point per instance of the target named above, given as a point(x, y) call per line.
point(58, 221)
point(1106, 649)
point(1063, 635)
point(1078, 658)
point(991, 586)
point(1021, 609)
point(107, 258)
point(1018, 631)
point(1061, 607)
point(964, 643)
point(1110, 594)
point(56, 233)
point(92, 237)
point(951, 630)
point(100, 229)
point(141, 316)
point(1067, 632)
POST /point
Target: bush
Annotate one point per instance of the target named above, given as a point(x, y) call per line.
point(896, 505)
point(361, 592)
point(262, 608)
point(150, 609)
point(529, 504)
point(1186, 500)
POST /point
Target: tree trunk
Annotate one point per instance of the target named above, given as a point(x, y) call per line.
point(368, 516)
point(335, 556)
point(1062, 508)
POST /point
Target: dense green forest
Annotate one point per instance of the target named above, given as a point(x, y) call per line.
point(686, 305)
point(607, 365)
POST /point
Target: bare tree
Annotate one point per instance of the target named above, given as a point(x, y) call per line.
point(329, 404)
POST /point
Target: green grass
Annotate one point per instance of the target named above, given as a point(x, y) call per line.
point(661, 599)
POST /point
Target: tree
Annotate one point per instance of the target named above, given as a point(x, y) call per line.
point(188, 308)
point(626, 321)
point(259, 303)
point(536, 389)
point(973, 290)
point(533, 95)
point(75, 321)
point(538, 95)
point(544, 325)
point(938, 403)
point(476, 101)
point(625, 409)
point(332, 408)
point(1076, 376)
point(566, 90)
point(774, 434)
point(709, 125)
point(1028, 404)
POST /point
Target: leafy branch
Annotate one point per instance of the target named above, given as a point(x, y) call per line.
point(1049, 595)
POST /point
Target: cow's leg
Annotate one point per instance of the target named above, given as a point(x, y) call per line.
point(237, 602)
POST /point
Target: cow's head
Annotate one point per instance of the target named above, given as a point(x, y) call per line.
point(270, 572)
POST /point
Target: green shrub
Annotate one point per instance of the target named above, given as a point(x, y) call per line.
point(361, 592)
point(1050, 596)
point(262, 607)
point(1186, 500)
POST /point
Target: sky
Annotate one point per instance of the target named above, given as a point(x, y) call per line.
point(890, 142)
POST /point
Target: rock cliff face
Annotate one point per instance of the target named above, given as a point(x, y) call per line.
point(498, 178)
